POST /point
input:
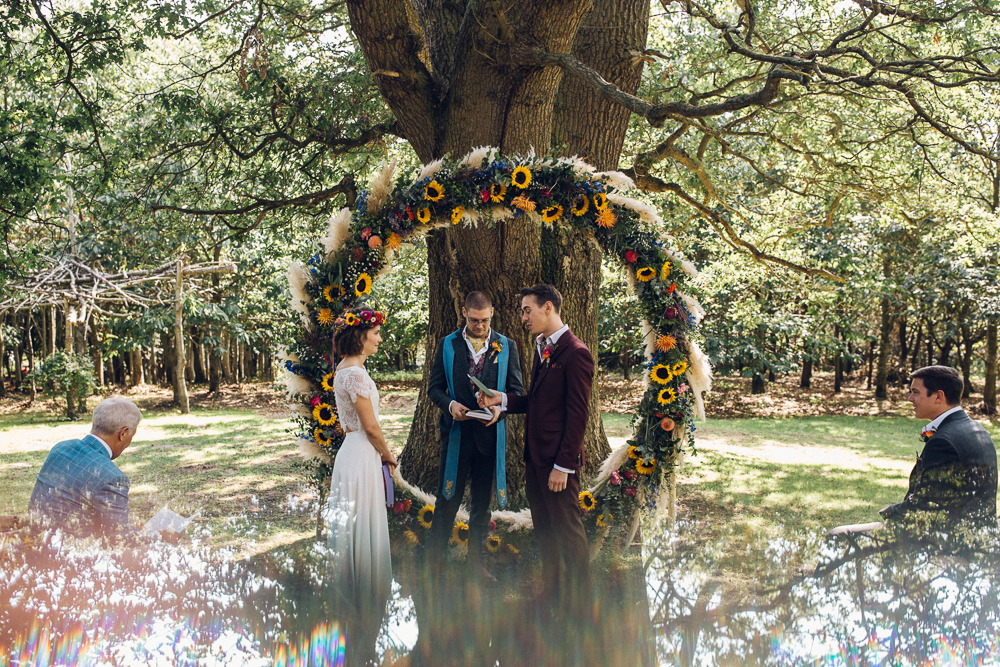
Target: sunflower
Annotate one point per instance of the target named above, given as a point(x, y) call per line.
point(350, 319)
point(433, 191)
point(325, 317)
point(411, 537)
point(661, 374)
point(580, 205)
point(363, 285)
point(324, 414)
point(456, 214)
point(665, 270)
point(552, 213)
point(605, 520)
point(327, 382)
point(645, 274)
point(521, 177)
point(343, 292)
point(493, 544)
point(600, 201)
point(514, 551)
point(523, 203)
point(460, 534)
point(393, 242)
point(665, 343)
point(497, 192)
point(321, 439)
point(667, 395)
point(328, 293)
point(423, 215)
point(587, 502)
point(633, 453)
point(679, 368)
point(426, 516)
point(606, 219)
point(645, 467)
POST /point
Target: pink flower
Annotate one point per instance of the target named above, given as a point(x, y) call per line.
point(358, 254)
point(315, 401)
point(399, 507)
point(366, 232)
point(485, 195)
point(629, 490)
point(616, 479)
point(630, 256)
point(493, 525)
point(374, 242)
point(671, 312)
point(681, 389)
point(546, 192)
point(630, 475)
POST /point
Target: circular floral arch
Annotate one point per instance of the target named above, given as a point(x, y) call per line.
point(485, 188)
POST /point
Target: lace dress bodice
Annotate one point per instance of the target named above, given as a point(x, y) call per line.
point(349, 384)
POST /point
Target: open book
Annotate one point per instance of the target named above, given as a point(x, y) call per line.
point(483, 415)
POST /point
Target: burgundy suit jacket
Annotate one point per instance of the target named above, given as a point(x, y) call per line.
point(557, 405)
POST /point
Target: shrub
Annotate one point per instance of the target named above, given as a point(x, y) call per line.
point(68, 375)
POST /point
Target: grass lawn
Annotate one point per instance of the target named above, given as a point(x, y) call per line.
point(240, 469)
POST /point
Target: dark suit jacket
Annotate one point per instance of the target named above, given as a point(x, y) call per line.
point(484, 438)
point(557, 405)
point(956, 473)
point(80, 489)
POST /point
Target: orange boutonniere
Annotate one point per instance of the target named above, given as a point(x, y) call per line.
point(497, 349)
point(547, 352)
point(927, 434)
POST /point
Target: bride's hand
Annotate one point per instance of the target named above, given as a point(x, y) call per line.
point(390, 461)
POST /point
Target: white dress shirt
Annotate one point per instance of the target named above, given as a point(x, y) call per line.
point(936, 423)
point(106, 446)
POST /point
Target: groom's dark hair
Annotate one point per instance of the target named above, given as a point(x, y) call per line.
point(542, 293)
point(477, 301)
point(941, 378)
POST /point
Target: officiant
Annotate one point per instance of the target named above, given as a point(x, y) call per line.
point(472, 449)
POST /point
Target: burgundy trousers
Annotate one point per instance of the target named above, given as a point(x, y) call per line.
point(562, 540)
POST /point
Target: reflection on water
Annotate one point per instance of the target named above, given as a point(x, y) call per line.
point(691, 597)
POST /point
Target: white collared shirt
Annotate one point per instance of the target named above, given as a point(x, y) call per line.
point(106, 445)
point(936, 423)
point(542, 341)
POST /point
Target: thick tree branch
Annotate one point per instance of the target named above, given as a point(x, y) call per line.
point(346, 187)
point(657, 114)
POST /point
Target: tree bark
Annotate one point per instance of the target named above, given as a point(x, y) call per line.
point(990, 385)
point(180, 386)
point(807, 370)
point(838, 364)
point(885, 331)
point(965, 356)
point(3, 357)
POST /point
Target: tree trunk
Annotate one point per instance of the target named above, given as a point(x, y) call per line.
point(966, 357)
point(137, 370)
point(885, 331)
point(3, 357)
point(227, 361)
point(758, 385)
point(625, 361)
point(200, 367)
point(838, 363)
point(807, 371)
point(180, 386)
point(50, 339)
point(918, 344)
point(96, 354)
point(990, 385)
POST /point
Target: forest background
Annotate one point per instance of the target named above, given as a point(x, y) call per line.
point(837, 227)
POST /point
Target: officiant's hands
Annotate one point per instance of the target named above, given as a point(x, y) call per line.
point(458, 411)
point(496, 415)
point(488, 402)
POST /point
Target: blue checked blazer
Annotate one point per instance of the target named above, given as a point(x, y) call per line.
point(80, 489)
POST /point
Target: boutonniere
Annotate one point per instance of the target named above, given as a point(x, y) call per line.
point(547, 352)
point(497, 349)
point(926, 435)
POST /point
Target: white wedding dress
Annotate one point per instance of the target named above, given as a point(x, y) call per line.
point(356, 516)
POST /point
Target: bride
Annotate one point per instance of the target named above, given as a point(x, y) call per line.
point(356, 509)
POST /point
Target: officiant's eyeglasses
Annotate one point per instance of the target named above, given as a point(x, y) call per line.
point(472, 320)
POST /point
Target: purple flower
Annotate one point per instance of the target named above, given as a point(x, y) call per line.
point(671, 312)
point(629, 490)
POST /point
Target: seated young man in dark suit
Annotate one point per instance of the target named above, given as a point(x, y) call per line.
point(78, 488)
point(956, 473)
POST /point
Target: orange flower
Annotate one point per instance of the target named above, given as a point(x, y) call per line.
point(667, 424)
point(666, 343)
point(374, 242)
point(523, 203)
point(393, 242)
point(606, 219)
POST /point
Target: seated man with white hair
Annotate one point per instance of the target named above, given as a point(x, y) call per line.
point(79, 488)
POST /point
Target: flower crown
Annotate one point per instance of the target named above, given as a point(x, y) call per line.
point(367, 319)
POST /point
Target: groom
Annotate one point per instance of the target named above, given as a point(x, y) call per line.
point(557, 406)
point(471, 448)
